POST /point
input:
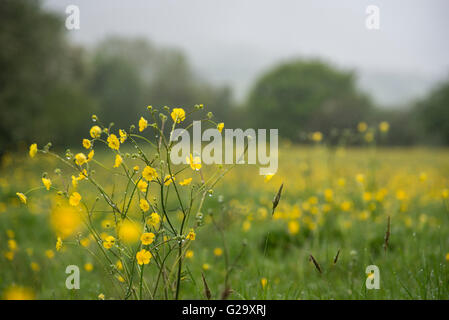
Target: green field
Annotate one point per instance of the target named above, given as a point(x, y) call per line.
point(333, 200)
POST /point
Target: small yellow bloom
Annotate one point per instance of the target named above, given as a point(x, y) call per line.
point(74, 181)
point(95, 132)
point(90, 155)
point(33, 150)
point(118, 161)
point(263, 282)
point(136, 168)
point(75, 199)
point(445, 193)
point(120, 278)
point(9, 255)
point(189, 254)
point(123, 135)
point(101, 296)
point(35, 266)
point(47, 183)
point(178, 115)
point(143, 257)
point(168, 179)
point(360, 178)
point(58, 244)
point(317, 136)
point(86, 143)
point(192, 235)
point(384, 126)
point(144, 205)
point(206, 266)
point(85, 242)
point(22, 197)
point(119, 265)
point(268, 177)
point(154, 220)
point(80, 159)
point(50, 254)
point(220, 126)
point(129, 231)
point(109, 242)
point(362, 127)
point(218, 252)
point(143, 124)
point(142, 186)
point(149, 173)
point(447, 256)
point(185, 182)
point(369, 137)
point(88, 267)
point(147, 238)
point(293, 227)
point(246, 225)
point(113, 142)
point(12, 245)
point(194, 162)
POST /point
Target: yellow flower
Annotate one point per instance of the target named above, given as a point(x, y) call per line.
point(136, 168)
point(143, 257)
point(85, 242)
point(293, 227)
point(147, 238)
point(384, 126)
point(362, 127)
point(218, 252)
point(95, 132)
point(189, 254)
point(154, 220)
point(50, 254)
point(120, 278)
point(123, 135)
point(88, 267)
point(47, 183)
point(268, 177)
point(12, 245)
point(142, 185)
point(9, 255)
point(35, 266)
point(86, 143)
point(75, 199)
point(101, 296)
point(263, 282)
point(74, 181)
point(369, 136)
point(220, 126)
point(65, 220)
point(33, 150)
point(58, 244)
point(113, 142)
point(82, 175)
point(143, 124)
point(317, 136)
point(206, 266)
point(22, 197)
point(129, 232)
point(178, 115)
point(144, 205)
point(168, 179)
point(445, 193)
point(109, 242)
point(18, 293)
point(90, 155)
point(185, 182)
point(119, 265)
point(80, 159)
point(191, 236)
point(447, 256)
point(346, 205)
point(195, 163)
point(360, 178)
point(246, 225)
point(118, 161)
point(149, 173)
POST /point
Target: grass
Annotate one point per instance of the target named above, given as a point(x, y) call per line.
point(332, 200)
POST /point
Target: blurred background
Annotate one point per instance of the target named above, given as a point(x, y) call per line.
point(300, 66)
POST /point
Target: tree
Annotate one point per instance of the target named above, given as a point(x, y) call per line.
point(306, 95)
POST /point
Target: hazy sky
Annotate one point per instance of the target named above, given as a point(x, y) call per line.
point(233, 41)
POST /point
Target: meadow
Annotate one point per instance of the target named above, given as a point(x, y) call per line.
point(337, 205)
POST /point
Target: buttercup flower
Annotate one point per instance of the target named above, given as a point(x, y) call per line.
point(118, 161)
point(47, 183)
point(123, 136)
point(384, 126)
point(33, 150)
point(147, 238)
point(90, 155)
point(186, 182)
point(168, 179)
point(143, 124)
point(58, 244)
point(218, 252)
point(113, 142)
point(22, 197)
point(220, 126)
point(149, 173)
point(143, 257)
point(154, 220)
point(142, 186)
point(80, 159)
point(109, 242)
point(95, 132)
point(195, 163)
point(144, 205)
point(178, 115)
point(75, 199)
point(192, 235)
point(86, 143)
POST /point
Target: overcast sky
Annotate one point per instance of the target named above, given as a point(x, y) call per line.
point(233, 41)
